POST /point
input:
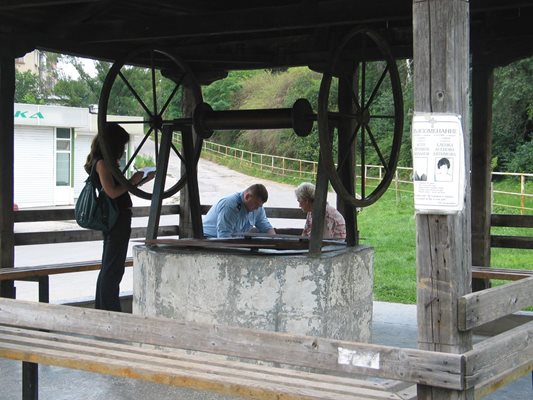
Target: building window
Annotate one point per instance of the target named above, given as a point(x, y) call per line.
point(63, 152)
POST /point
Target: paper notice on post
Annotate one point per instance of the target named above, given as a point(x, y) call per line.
point(438, 163)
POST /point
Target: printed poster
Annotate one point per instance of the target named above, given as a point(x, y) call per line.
point(438, 163)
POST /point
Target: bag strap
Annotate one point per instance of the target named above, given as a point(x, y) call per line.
point(93, 177)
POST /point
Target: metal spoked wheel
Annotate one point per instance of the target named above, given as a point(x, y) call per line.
point(146, 88)
point(375, 117)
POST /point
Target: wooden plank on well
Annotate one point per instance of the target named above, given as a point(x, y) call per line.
point(500, 356)
point(479, 308)
point(434, 368)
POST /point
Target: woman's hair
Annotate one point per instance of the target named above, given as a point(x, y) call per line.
point(116, 138)
point(443, 161)
point(305, 191)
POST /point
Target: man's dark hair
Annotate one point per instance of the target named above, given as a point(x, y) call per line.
point(258, 191)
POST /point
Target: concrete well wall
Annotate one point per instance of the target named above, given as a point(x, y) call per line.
point(328, 296)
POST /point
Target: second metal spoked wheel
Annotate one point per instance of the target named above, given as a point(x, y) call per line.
point(142, 92)
point(371, 121)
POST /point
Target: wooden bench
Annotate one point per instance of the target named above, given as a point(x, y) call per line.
point(194, 355)
point(42, 273)
point(24, 273)
point(159, 350)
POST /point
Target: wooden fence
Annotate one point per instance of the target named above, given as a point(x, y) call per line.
point(402, 182)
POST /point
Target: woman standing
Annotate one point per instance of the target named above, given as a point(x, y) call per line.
point(116, 240)
point(334, 224)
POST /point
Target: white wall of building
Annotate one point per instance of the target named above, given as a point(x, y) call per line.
point(36, 150)
point(33, 171)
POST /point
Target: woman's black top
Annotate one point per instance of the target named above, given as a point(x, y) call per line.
point(124, 200)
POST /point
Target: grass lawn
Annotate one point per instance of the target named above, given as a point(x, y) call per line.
point(389, 227)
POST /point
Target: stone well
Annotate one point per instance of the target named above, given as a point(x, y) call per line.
point(329, 295)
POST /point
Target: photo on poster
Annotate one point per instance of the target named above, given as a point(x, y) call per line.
point(421, 169)
point(443, 169)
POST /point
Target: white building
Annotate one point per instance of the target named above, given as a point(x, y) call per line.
point(51, 145)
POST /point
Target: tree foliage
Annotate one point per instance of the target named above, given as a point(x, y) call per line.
point(512, 122)
point(27, 88)
point(512, 147)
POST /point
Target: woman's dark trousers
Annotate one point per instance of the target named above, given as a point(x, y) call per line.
point(113, 259)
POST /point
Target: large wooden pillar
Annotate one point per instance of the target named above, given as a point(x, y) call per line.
point(7, 97)
point(482, 93)
point(441, 54)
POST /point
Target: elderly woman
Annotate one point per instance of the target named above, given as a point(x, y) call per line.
point(334, 225)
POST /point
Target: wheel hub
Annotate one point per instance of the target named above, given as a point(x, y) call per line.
point(363, 117)
point(156, 122)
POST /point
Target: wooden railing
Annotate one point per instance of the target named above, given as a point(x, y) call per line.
point(509, 242)
point(41, 273)
point(79, 234)
point(402, 182)
point(82, 235)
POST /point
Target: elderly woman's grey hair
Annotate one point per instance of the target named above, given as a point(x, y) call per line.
point(305, 191)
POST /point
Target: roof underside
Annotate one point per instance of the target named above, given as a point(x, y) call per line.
point(213, 37)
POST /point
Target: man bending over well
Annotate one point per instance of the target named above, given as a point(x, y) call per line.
point(238, 213)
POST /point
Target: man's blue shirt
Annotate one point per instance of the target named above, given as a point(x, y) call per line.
point(229, 217)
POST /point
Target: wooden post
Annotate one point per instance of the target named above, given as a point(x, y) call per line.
point(347, 173)
point(482, 93)
point(7, 99)
point(443, 255)
point(319, 210)
point(192, 182)
point(186, 223)
point(159, 183)
point(397, 186)
point(522, 194)
point(30, 381)
point(30, 371)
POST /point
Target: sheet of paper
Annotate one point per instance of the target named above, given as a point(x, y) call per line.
point(147, 170)
point(438, 163)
